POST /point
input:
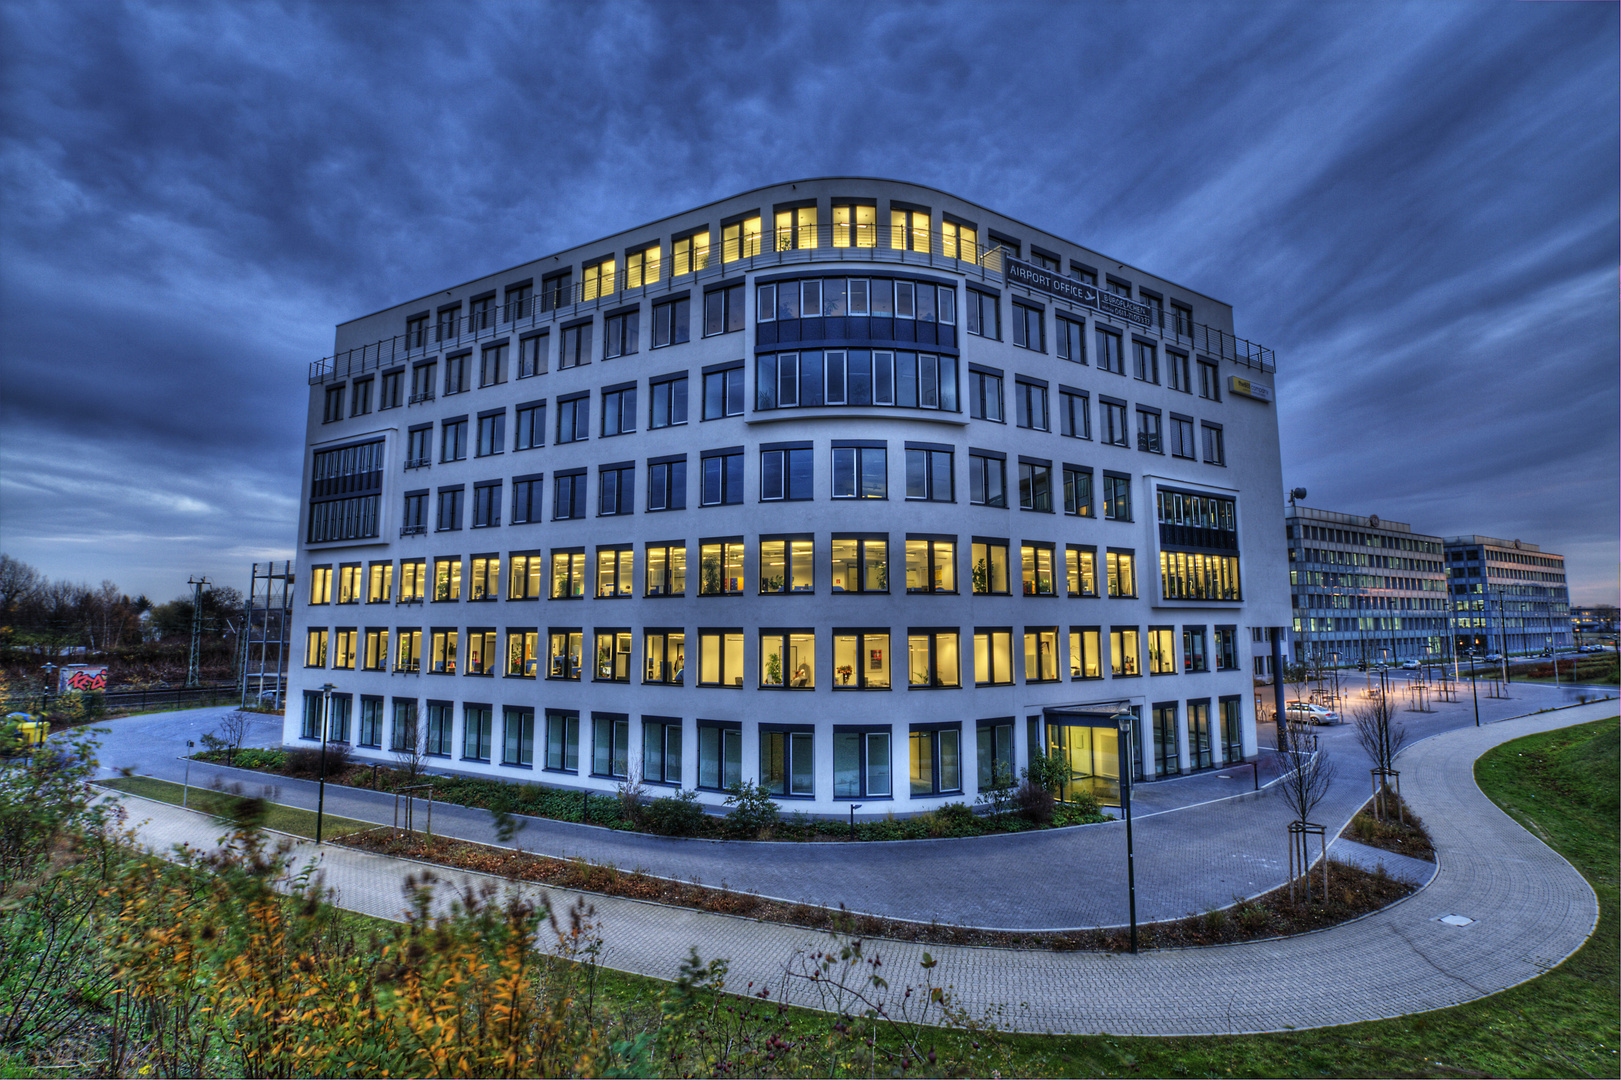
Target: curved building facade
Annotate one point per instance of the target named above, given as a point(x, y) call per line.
point(846, 486)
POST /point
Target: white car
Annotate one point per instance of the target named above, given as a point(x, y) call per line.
point(1410, 665)
point(1303, 712)
point(1493, 658)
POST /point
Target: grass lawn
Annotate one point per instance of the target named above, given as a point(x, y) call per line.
point(1563, 786)
point(288, 819)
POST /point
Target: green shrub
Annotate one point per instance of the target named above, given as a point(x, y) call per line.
point(754, 812)
point(675, 815)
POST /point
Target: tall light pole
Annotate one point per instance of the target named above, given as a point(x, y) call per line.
point(326, 731)
point(1123, 726)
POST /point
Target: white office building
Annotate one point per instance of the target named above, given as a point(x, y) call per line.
point(845, 486)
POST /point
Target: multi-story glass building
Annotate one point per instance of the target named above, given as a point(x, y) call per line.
point(1508, 596)
point(1364, 589)
point(845, 486)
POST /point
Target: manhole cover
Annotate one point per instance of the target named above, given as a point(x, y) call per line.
point(1455, 920)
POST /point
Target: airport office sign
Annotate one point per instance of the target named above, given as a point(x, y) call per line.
point(1018, 272)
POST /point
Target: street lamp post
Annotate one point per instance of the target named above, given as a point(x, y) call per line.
point(326, 720)
point(1473, 693)
point(1123, 725)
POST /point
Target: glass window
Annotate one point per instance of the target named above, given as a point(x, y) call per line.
point(531, 426)
point(413, 580)
point(610, 746)
point(562, 741)
point(665, 656)
point(855, 225)
point(642, 267)
point(959, 241)
point(614, 572)
point(720, 568)
point(786, 474)
point(931, 566)
point(723, 393)
point(477, 728)
point(524, 576)
point(563, 654)
point(741, 239)
point(1232, 739)
point(1145, 361)
point(532, 355)
point(441, 727)
point(1193, 649)
point(669, 402)
point(720, 658)
point(518, 737)
point(1209, 381)
point(1122, 573)
point(1177, 372)
point(909, 229)
point(985, 396)
point(788, 659)
point(932, 659)
point(349, 583)
point(1036, 564)
point(1110, 357)
point(787, 763)
point(1035, 487)
point(995, 757)
point(442, 655)
point(616, 491)
point(492, 365)
point(1226, 648)
point(1182, 437)
point(672, 322)
point(574, 346)
point(619, 411)
point(860, 660)
point(987, 480)
point(723, 310)
point(661, 751)
point(722, 479)
point(315, 648)
point(984, 315)
point(484, 580)
point(1148, 431)
point(404, 735)
point(597, 279)
point(612, 656)
point(447, 579)
point(408, 651)
point(860, 565)
point(928, 475)
point(1077, 491)
point(993, 657)
point(795, 228)
point(1084, 658)
point(1041, 654)
point(989, 559)
point(690, 253)
point(371, 721)
point(1165, 763)
point(788, 566)
point(936, 761)
point(1124, 657)
point(861, 765)
point(1161, 650)
point(523, 655)
point(1071, 340)
point(1032, 410)
point(860, 472)
point(374, 654)
point(1081, 564)
point(1029, 331)
point(1112, 416)
point(1215, 451)
point(481, 652)
point(568, 575)
point(453, 440)
point(1116, 497)
point(667, 485)
point(720, 756)
point(667, 570)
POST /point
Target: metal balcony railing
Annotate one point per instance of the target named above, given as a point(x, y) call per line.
point(561, 298)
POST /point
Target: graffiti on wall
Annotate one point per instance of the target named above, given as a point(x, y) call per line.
point(84, 677)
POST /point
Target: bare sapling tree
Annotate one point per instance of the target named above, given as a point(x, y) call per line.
point(410, 744)
point(1302, 788)
point(1382, 737)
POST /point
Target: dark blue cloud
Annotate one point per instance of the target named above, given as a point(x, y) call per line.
point(1414, 204)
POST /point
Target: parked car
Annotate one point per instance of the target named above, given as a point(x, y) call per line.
point(1410, 665)
point(1494, 658)
point(1304, 712)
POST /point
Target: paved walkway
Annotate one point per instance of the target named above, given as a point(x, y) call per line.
point(1198, 845)
point(1528, 911)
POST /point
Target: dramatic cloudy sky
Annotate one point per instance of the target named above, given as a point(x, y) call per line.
point(1415, 205)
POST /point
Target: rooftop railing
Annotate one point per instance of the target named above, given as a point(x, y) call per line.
point(563, 298)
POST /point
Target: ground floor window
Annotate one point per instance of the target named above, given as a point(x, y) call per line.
point(337, 721)
point(518, 737)
point(313, 706)
point(861, 766)
point(477, 728)
point(661, 750)
point(610, 745)
point(562, 741)
point(441, 719)
point(371, 721)
point(1165, 740)
point(720, 755)
point(1199, 750)
point(787, 762)
point(1232, 739)
point(995, 753)
point(404, 735)
point(936, 760)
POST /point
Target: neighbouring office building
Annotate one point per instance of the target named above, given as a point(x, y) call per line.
point(1508, 596)
point(1364, 589)
point(845, 486)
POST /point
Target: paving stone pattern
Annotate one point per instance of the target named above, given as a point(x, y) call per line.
point(1531, 910)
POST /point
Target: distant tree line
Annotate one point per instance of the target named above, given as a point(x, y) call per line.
point(41, 618)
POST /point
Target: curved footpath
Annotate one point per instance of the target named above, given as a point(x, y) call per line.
point(1529, 910)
